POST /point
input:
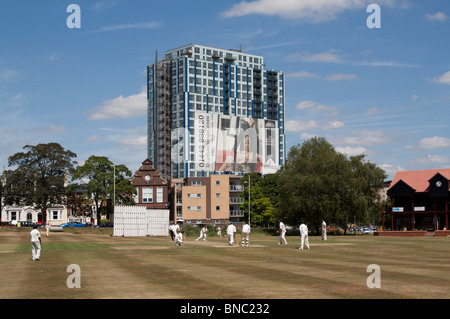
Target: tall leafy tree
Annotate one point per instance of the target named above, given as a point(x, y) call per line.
point(98, 174)
point(39, 178)
point(320, 183)
point(261, 205)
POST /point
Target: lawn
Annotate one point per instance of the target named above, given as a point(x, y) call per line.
point(154, 268)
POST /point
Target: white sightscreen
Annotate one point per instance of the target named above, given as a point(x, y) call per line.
point(135, 221)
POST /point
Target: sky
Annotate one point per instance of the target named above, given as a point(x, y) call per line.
point(381, 91)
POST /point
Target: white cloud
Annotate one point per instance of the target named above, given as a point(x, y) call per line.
point(104, 5)
point(348, 150)
point(330, 77)
point(50, 129)
point(432, 159)
point(434, 142)
point(122, 107)
point(303, 74)
point(310, 10)
point(298, 126)
point(8, 75)
point(327, 57)
point(134, 141)
point(443, 79)
point(372, 111)
point(391, 170)
point(316, 107)
point(341, 77)
point(364, 138)
point(144, 25)
point(438, 16)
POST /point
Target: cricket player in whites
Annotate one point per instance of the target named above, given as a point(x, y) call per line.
point(203, 232)
point(324, 230)
point(282, 231)
point(245, 234)
point(304, 236)
point(231, 230)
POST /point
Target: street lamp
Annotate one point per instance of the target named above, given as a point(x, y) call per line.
point(245, 182)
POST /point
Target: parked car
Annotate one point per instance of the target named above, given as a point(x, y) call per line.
point(367, 230)
point(334, 228)
point(73, 224)
point(6, 224)
point(109, 224)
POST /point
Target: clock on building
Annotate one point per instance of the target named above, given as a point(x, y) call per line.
point(147, 177)
point(438, 183)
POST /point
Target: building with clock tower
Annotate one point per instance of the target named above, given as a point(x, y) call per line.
point(152, 189)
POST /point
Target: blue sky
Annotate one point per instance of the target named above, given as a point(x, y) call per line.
point(382, 92)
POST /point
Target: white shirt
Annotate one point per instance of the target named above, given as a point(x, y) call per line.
point(35, 235)
point(303, 229)
point(203, 230)
point(324, 225)
point(282, 227)
point(246, 228)
point(231, 229)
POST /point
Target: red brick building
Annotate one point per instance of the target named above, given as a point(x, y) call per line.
point(152, 189)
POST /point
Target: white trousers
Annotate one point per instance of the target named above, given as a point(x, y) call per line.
point(324, 235)
point(230, 239)
point(282, 238)
point(305, 241)
point(202, 235)
point(245, 239)
point(35, 250)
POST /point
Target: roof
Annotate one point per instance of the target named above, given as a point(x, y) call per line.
point(419, 180)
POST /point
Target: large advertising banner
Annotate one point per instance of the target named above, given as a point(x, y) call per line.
point(235, 144)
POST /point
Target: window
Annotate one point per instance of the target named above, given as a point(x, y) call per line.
point(217, 195)
point(136, 197)
point(217, 182)
point(194, 195)
point(159, 195)
point(196, 183)
point(217, 208)
point(147, 195)
point(198, 208)
point(56, 215)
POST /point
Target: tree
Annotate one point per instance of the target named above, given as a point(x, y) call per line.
point(98, 173)
point(40, 177)
point(261, 207)
point(320, 183)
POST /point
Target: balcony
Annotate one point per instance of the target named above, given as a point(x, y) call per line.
point(236, 213)
point(237, 200)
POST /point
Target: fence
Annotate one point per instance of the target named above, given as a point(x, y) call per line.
point(135, 221)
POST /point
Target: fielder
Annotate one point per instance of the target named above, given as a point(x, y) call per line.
point(245, 234)
point(324, 230)
point(203, 232)
point(231, 230)
point(304, 236)
point(179, 238)
point(35, 244)
point(282, 231)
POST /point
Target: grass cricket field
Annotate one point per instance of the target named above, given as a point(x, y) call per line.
point(154, 268)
